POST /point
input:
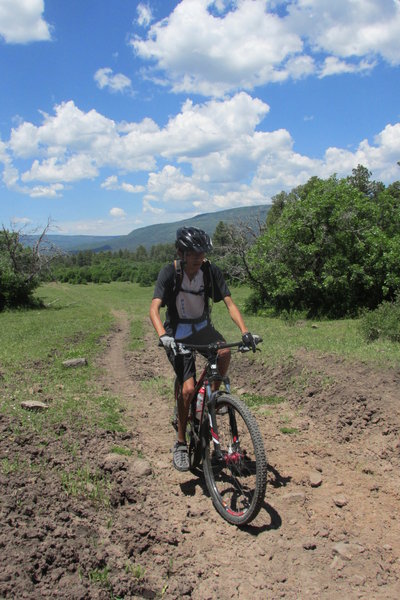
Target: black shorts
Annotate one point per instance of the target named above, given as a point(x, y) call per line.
point(184, 364)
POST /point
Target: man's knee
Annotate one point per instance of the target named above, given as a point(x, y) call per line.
point(224, 355)
point(188, 389)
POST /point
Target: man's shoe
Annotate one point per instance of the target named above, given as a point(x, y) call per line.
point(180, 458)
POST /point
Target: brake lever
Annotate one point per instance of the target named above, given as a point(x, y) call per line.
point(182, 350)
point(243, 349)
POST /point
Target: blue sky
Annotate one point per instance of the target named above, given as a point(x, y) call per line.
point(116, 114)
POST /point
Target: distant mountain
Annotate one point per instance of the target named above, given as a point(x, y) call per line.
point(70, 243)
point(156, 234)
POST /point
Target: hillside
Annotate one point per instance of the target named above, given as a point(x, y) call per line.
point(156, 234)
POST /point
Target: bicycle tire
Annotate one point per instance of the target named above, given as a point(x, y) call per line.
point(193, 440)
point(236, 476)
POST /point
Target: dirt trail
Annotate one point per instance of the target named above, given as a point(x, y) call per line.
point(330, 525)
point(329, 528)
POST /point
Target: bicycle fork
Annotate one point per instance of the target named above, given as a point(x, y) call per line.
point(232, 455)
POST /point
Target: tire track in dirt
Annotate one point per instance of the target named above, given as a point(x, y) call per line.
point(333, 538)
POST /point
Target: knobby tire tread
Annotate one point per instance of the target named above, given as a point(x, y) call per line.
point(261, 464)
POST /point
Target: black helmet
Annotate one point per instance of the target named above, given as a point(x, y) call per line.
point(191, 238)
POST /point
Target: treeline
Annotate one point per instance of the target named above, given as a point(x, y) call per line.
point(139, 266)
point(330, 247)
point(142, 266)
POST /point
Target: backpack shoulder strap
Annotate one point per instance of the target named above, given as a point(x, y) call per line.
point(178, 276)
point(207, 273)
point(208, 286)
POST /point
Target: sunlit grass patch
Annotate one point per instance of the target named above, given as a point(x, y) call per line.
point(8, 466)
point(162, 387)
point(256, 400)
point(100, 576)
point(135, 569)
point(122, 450)
point(137, 335)
point(289, 430)
point(110, 416)
point(87, 484)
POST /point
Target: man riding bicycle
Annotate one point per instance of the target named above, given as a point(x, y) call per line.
point(185, 288)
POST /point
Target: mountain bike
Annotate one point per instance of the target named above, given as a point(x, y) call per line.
point(225, 440)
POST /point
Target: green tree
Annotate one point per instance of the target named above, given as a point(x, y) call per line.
point(278, 204)
point(141, 254)
point(331, 251)
point(19, 271)
point(360, 178)
point(222, 239)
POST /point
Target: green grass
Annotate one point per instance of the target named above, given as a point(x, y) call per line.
point(121, 450)
point(100, 576)
point(34, 343)
point(84, 483)
point(281, 340)
point(255, 400)
point(135, 569)
point(7, 466)
point(137, 334)
point(161, 387)
point(289, 430)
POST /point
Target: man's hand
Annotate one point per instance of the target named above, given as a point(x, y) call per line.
point(249, 340)
point(168, 342)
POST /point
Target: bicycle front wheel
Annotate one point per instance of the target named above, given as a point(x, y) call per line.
point(235, 465)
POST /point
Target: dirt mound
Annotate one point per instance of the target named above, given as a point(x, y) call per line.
point(347, 400)
point(112, 525)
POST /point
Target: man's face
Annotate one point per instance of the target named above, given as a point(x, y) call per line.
point(194, 260)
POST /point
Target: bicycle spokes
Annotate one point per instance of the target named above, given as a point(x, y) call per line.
point(233, 461)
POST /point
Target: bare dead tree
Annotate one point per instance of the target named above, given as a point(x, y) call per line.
point(26, 255)
point(241, 237)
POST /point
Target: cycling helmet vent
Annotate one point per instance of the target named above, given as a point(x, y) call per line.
point(192, 238)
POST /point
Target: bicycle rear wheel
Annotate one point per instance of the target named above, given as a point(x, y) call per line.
point(234, 462)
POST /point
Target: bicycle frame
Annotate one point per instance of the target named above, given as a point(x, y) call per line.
point(209, 375)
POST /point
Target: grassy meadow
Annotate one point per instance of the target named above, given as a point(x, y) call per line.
point(34, 343)
point(74, 323)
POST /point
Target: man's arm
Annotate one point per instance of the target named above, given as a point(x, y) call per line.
point(235, 314)
point(155, 316)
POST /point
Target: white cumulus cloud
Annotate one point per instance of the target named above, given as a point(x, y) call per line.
point(200, 52)
point(217, 153)
point(21, 21)
point(356, 28)
point(112, 183)
point(45, 191)
point(118, 213)
point(115, 82)
point(213, 48)
point(76, 168)
point(145, 15)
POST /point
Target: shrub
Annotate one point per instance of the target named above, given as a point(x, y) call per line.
point(331, 250)
point(18, 272)
point(383, 322)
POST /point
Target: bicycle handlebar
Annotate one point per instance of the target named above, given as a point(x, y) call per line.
point(183, 348)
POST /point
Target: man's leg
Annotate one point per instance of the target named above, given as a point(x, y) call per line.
point(183, 408)
point(224, 359)
point(186, 373)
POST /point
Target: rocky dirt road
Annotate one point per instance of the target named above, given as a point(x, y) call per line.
point(330, 524)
